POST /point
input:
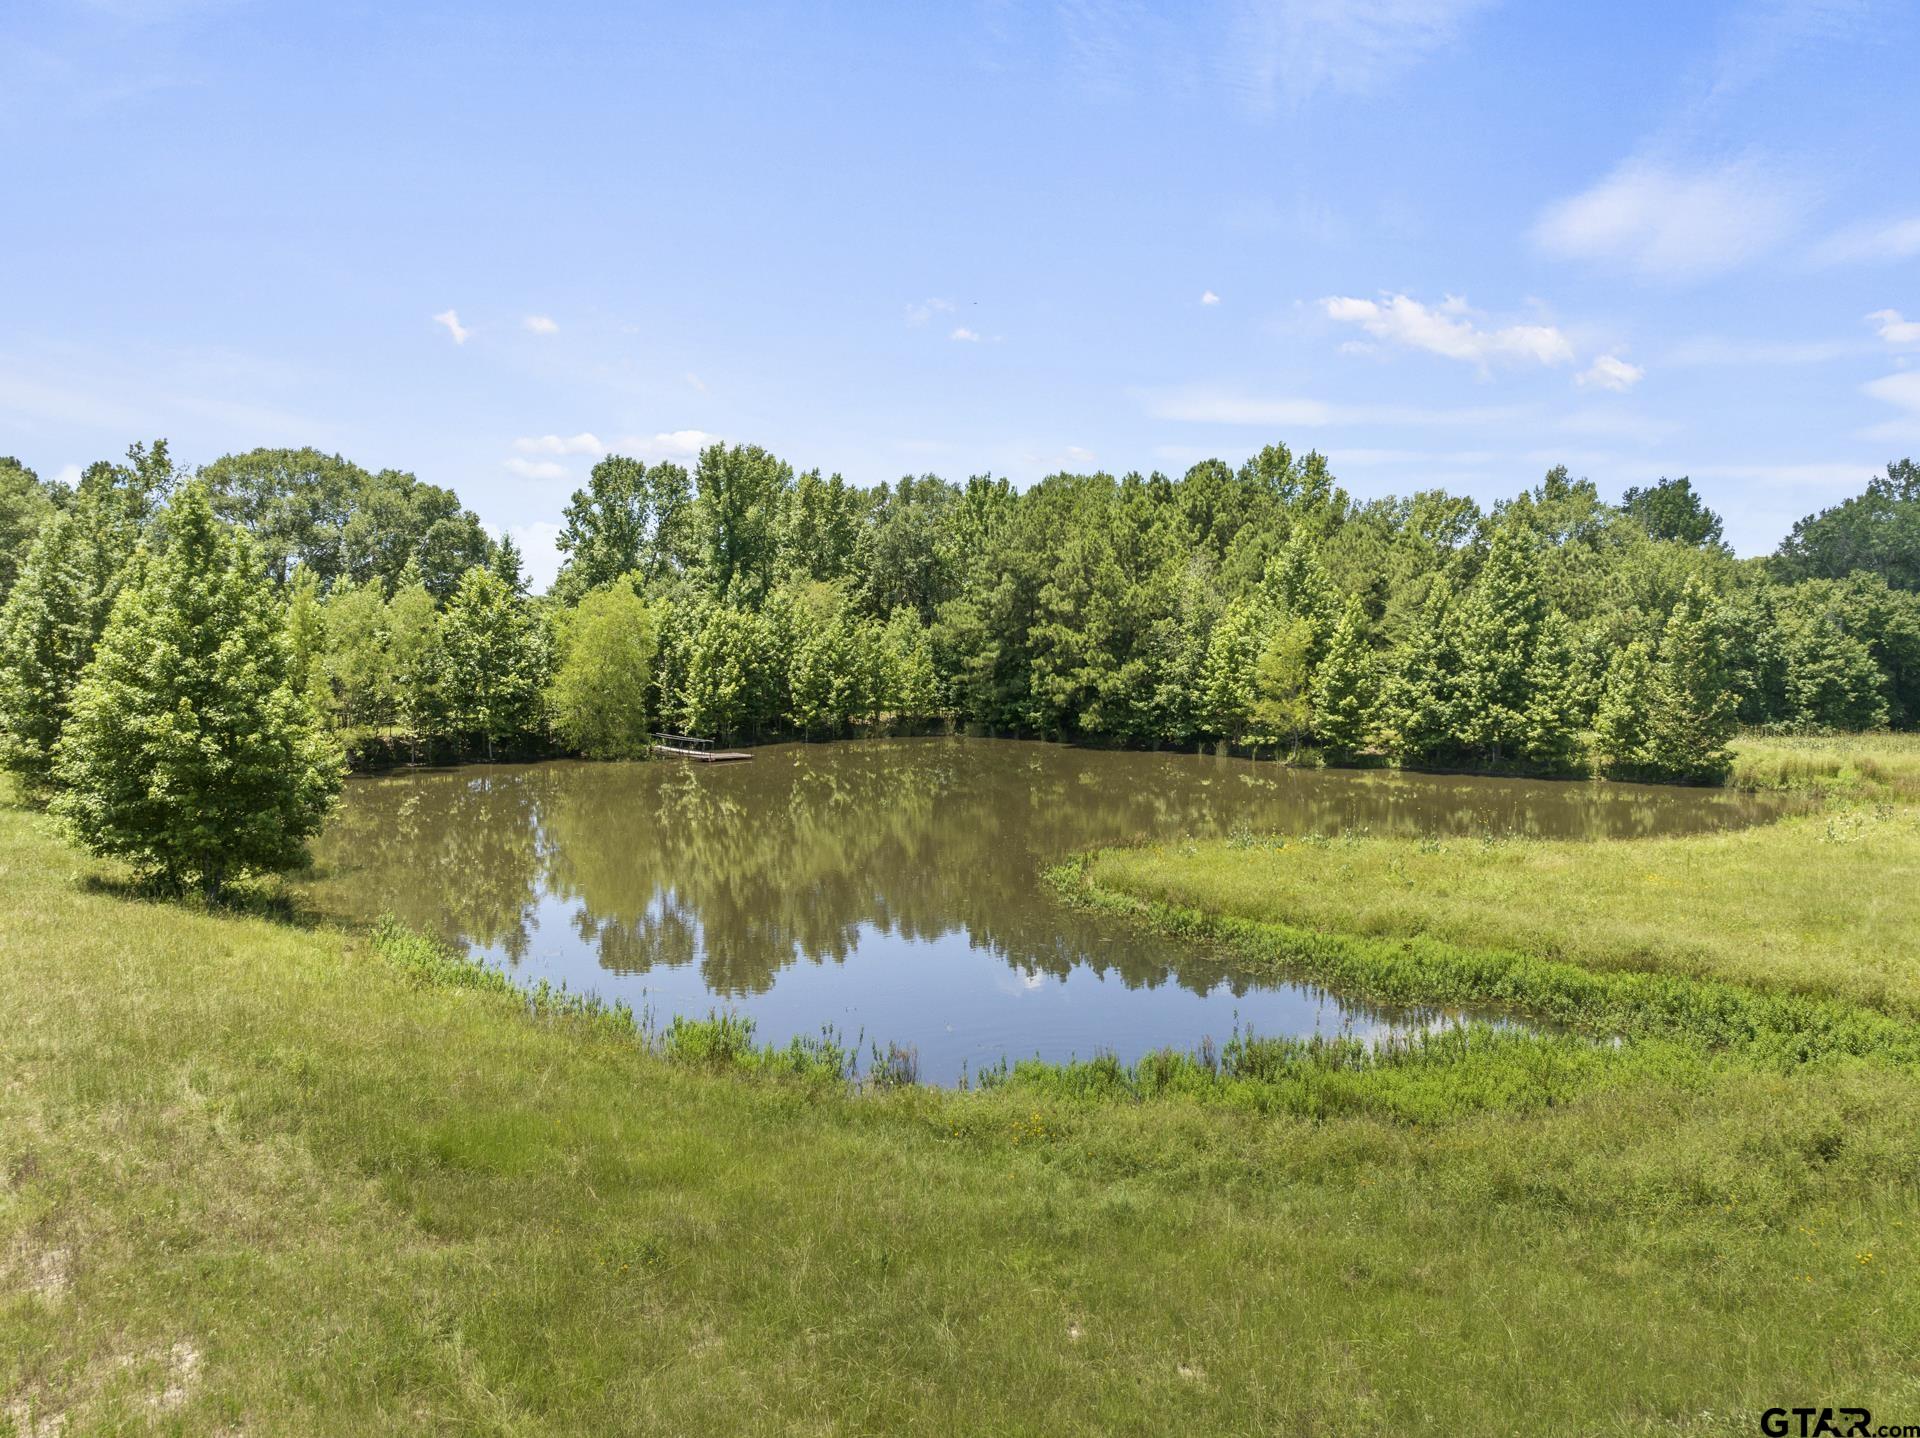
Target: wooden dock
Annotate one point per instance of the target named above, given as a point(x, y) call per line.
point(701, 751)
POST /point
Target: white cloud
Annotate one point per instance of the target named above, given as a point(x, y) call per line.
point(675, 444)
point(1874, 240)
point(537, 468)
point(1208, 297)
point(966, 335)
point(1202, 405)
point(541, 324)
point(1445, 330)
point(1894, 328)
point(695, 380)
point(1297, 46)
point(919, 314)
point(69, 476)
point(1903, 392)
point(1673, 224)
point(1901, 389)
point(450, 319)
point(582, 443)
point(1611, 372)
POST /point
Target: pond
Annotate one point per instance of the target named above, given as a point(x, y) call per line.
point(891, 888)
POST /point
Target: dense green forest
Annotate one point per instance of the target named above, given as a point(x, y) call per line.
point(1260, 607)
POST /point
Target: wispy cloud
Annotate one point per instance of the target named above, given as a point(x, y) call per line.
point(1767, 36)
point(1902, 391)
point(1709, 350)
point(541, 324)
point(1833, 474)
point(1882, 240)
point(1447, 330)
point(965, 335)
point(1202, 404)
point(924, 310)
point(537, 468)
point(1208, 297)
point(1610, 372)
point(582, 443)
point(450, 321)
point(1674, 224)
point(673, 444)
point(1292, 48)
point(1894, 328)
point(695, 380)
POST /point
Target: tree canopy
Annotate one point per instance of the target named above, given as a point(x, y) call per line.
point(188, 751)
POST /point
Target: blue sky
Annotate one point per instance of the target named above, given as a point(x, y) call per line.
point(1446, 242)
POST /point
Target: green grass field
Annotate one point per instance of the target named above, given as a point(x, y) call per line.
point(258, 1178)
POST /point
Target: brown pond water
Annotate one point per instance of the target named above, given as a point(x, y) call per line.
point(891, 889)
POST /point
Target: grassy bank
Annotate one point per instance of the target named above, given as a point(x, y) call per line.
point(265, 1179)
point(1850, 766)
point(1826, 903)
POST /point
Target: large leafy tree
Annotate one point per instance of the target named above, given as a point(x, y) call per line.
point(606, 526)
point(188, 752)
point(741, 494)
point(1671, 510)
point(599, 691)
point(296, 503)
point(1878, 531)
point(325, 514)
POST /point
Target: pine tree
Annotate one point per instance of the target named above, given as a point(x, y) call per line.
point(1498, 623)
point(721, 674)
point(1550, 723)
point(1418, 712)
point(1297, 585)
point(506, 565)
point(25, 504)
point(1282, 683)
point(307, 644)
point(912, 686)
point(1344, 686)
point(1694, 705)
point(359, 658)
point(1226, 674)
point(46, 640)
point(1622, 731)
point(418, 662)
point(188, 753)
point(495, 660)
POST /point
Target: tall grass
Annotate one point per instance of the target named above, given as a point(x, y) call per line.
point(1852, 765)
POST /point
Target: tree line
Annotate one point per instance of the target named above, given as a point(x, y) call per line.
point(1259, 606)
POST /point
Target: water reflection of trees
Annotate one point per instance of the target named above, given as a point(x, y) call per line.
point(745, 869)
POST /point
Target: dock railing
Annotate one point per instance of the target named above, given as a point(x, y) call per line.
point(681, 741)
